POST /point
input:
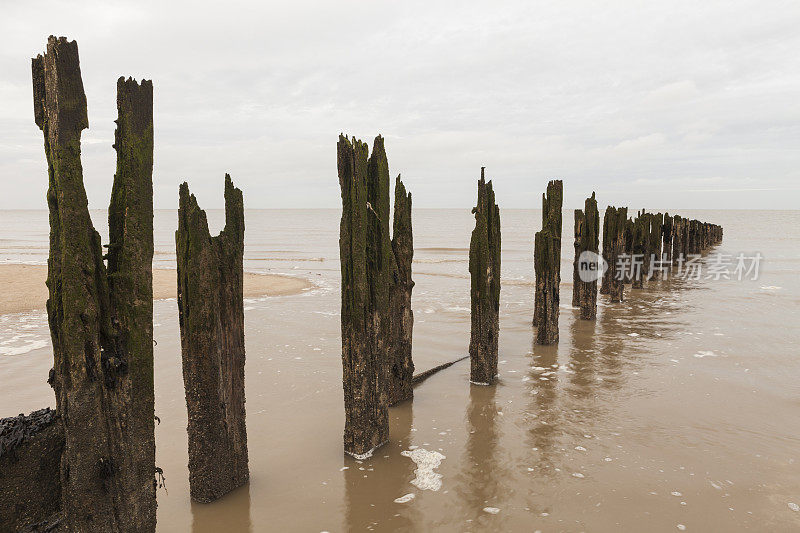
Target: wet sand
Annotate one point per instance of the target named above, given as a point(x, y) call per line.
point(24, 286)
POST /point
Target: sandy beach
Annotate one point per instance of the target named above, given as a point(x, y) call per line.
point(24, 286)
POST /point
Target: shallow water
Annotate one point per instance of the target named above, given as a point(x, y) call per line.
point(678, 408)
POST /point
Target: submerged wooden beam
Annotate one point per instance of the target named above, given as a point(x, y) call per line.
point(100, 318)
point(211, 315)
point(401, 365)
point(587, 239)
point(547, 265)
point(30, 457)
point(364, 302)
point(484, 269)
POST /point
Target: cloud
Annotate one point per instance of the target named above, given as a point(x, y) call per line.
point(602, 96)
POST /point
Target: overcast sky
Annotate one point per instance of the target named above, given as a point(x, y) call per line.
point(666, 104)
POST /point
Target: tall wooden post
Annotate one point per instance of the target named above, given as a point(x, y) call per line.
point(211, 315)
point(656, 228)
point(666, 236)
point(639, 249)
point(401, 365)
point(577, 287)
point(587, 239)
point(547, 265)
point(100, 317)
point(484, 269)
point(615, 221)
point(364, 303)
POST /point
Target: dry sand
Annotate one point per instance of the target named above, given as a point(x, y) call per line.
point(24, 286)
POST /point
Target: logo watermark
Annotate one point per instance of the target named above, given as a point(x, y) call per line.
point(716, 266)
point(591, 266)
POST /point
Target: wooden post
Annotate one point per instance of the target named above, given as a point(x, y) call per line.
point(401, 370)
point(587, 239)
point(615, 221)
point(605, 287)
point(547, 265)
point(678, 239)
point(666, 236)
point(211, 315)
point(630, 229)
point(364, 303)
point(639, 249)
point(484, 269)
point(100, 317)
point(577, 287)
point(654, 247)
point(30, 457)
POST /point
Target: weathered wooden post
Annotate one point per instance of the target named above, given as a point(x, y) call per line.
point(30, 461)
point(364, 303)
point(677, 239)
point(654, 246)
point(587, 239)
point(547, 265)
point(627, 249)
point(666, 236)
point(580, 220)
point(484, 269)
point(401, 369)
point(211, 316)
point(616, 220)
point(100, 317)
point(639, 249)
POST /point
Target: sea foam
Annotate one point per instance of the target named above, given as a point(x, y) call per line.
point(427, 462)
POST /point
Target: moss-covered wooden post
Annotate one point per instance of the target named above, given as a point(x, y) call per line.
point(30, 461)
point(639, 249)
point(580, 220)
point(130, 273)
point(587, 239)
point(484, 269)
point(211, 316)
point(630, 228)
point(677, 238)
point(100, 318)
point(401, 365)
point(364, 359)
point(605, 286)
point(666, 237)
point(616, 220)
point(547, 265)
point(654, 246)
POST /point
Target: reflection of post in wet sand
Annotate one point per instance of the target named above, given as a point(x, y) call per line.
point(369, 501)
point(582, 359)
point(230, 514)
point(479, 480)
point(544, 414)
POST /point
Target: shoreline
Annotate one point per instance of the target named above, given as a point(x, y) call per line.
point(26, 290)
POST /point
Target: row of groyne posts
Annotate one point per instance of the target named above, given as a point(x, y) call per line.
point(89, 465)
point(377, 320)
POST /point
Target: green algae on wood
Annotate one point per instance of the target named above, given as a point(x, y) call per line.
point(102, 373)
point(484, 269)
point(211, 316)
point(547, 265)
